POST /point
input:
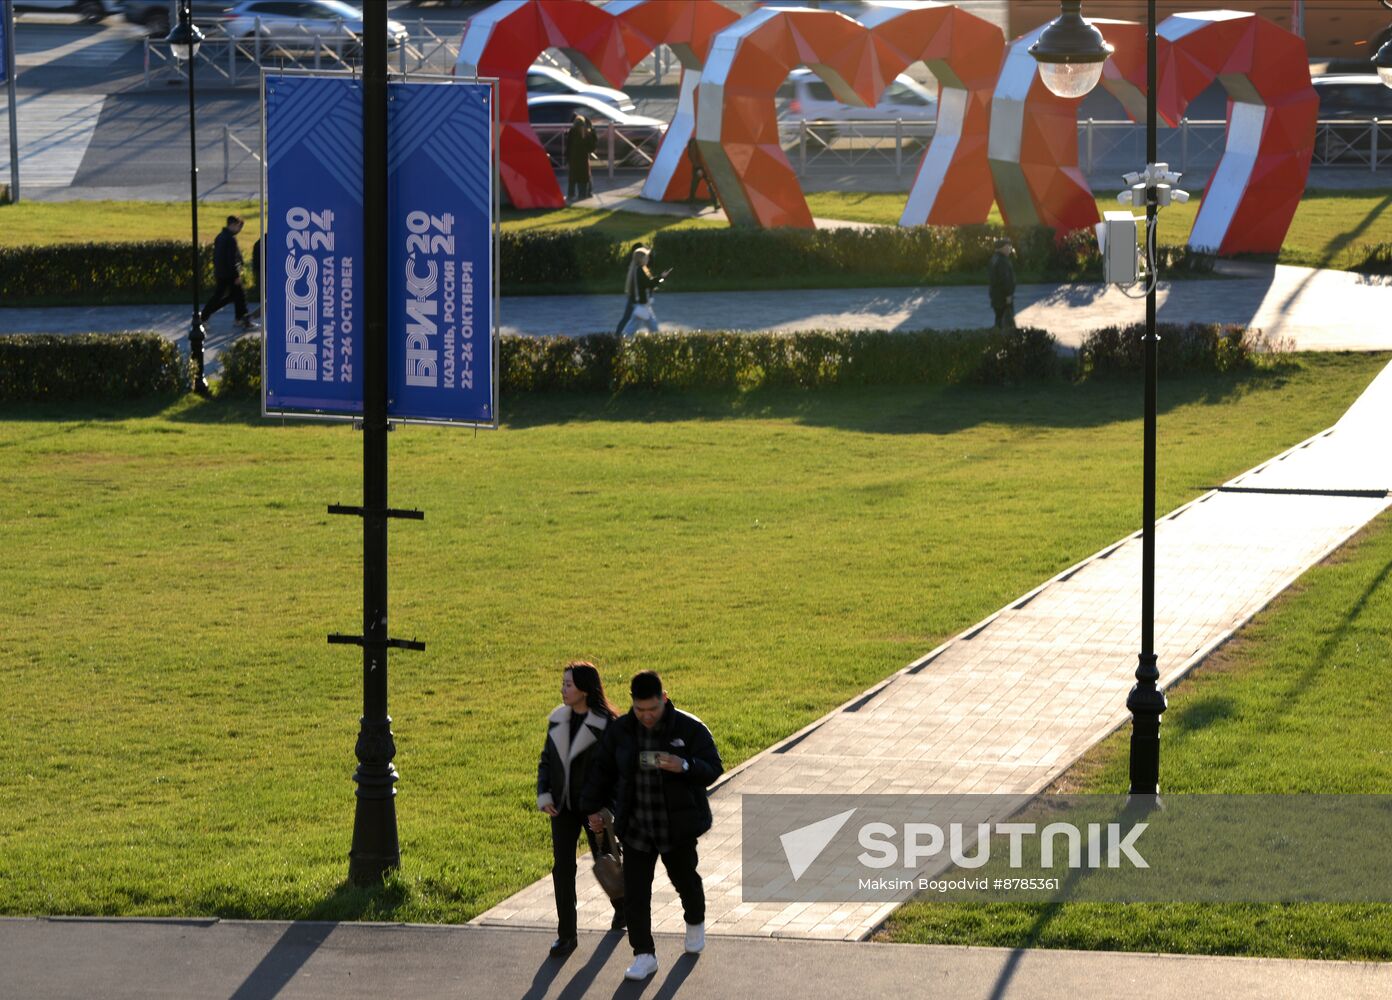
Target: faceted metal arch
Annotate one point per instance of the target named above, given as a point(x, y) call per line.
point(687, 27)
point(1253, 193)
point(503, 41)
point(964, 52)
point(1033, 145)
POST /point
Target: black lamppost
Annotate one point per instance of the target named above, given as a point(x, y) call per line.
point(1070, 53)
point(183, 44)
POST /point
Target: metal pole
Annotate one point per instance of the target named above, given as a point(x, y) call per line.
point(227, 163)
point(898, 147)
point(375, 847)
point(1146, 701)
point(12, 72)
point(197, 335)
point(1373, 160)
point(611, 149)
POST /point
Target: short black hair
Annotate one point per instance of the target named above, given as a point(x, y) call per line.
point(234, 219)
point(645, 684)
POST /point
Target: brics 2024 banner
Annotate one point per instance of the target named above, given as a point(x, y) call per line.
point(440, 250)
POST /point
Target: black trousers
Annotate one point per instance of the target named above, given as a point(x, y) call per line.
point(639, 867)
point(1005, 315)
point(566, 826)
point(578, 183)
point(224, 293)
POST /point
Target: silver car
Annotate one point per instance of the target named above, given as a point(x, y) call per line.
point(288, 21)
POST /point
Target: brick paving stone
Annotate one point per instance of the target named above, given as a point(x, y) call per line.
point(1009, 708)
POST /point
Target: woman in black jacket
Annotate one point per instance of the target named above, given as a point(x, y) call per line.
point(581, 141)
point(639, 287)
point(573, 733)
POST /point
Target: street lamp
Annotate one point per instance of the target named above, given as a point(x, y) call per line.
point(184, 41)
point(1070, 52)
point(1382, 62)
point(1070, 41)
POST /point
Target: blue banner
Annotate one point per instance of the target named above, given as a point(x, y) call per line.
point(312, 246)
point(440, 253)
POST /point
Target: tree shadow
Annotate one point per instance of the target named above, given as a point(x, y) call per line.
point(911, 409)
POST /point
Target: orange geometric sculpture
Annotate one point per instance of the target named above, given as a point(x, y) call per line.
point(737, 125)
point(687, 27)
point(503, 41)
point(1254, 191)
point(963, 51)
point(1033, 149)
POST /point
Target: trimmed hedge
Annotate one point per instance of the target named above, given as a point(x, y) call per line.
point(585, 260)
point(604, 362)
point(1182, 350)
point(100, 272)
point(241, 367)
point(89, 366)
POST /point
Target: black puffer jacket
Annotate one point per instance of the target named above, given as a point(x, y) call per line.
point(614, 771)
point(565, 763)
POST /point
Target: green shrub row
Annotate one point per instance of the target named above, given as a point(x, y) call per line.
point(153, 270)
point(89, 366)
point(123, 366)
point(1193, 348)
point(580, 259)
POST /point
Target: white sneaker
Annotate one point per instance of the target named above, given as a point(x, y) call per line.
point(695, 938)
point(643, 966)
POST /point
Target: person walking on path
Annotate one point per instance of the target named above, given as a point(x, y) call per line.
point(580, 143)
point(656, 764)
point(573, 733)
point(227, 275)
point(639, 286)
point(1002, 277)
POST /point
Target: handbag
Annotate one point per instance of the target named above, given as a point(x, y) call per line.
point(608, 859)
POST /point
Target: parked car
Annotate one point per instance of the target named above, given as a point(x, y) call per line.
point(636, 137)
point(809, 97)
point(542, 79)
point(91, 11)
point(158, 16)
point(294, 19)
point(1356, 95)
point(1347, 104)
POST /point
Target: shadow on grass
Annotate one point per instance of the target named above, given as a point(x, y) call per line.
point(893, 409)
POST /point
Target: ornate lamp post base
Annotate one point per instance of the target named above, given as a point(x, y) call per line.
point(375, 849)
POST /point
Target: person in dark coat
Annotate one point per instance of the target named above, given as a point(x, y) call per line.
point(573, 732)
point(580, 143)
point(227, 274)
point(256, 277)
point(655, 765)
point(1001, 273)
point(699, 173)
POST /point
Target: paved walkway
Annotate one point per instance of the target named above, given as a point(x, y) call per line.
point(246, 960)
point(1312, 309)
point(1008, 705)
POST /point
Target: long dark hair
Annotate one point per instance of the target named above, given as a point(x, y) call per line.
point(585, 676)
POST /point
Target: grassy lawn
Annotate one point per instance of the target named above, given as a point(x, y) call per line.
point(42, 223)
point(1328, 228)
point(1287, 707)
point(178, 736)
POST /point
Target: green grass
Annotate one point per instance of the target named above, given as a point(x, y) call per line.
point(177, 736)
point(42, 223)
point(1291, 705)
point(1328, 230)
